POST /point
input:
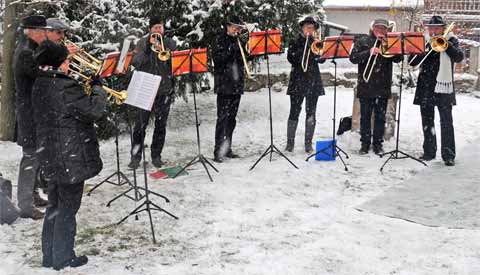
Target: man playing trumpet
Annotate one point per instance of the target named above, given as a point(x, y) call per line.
point(374, 85)
point(149, 57)
point(436, 88)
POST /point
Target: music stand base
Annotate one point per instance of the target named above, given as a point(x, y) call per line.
point(270, 150)
point(204, 161)
point(395, 155)
point(339, 152)
point(119, 174)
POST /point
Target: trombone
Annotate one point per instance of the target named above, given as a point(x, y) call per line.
point(83, 67)
point(159, 47)
point(367, 72)
point(316, 48)
point(437, 44)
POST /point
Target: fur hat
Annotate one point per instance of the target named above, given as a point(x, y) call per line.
point(154, 20)
point(50, 53)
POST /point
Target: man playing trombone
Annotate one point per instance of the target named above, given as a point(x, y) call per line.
point(152, 55)
point(229, 58)
point(305, 83)
point(374, 83)
point(435, 87)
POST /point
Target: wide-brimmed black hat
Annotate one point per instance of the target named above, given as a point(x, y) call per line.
point(154, 20)
point(436, 20)
point(50, 53)
point(34, 22)
point(235, 21)
point(310, 20)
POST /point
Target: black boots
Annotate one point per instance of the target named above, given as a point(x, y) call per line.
point(309, 131)
point(291, 130)
point(378, 149)
point(364, 149)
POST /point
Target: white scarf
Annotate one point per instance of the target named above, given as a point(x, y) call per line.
point(445, 75)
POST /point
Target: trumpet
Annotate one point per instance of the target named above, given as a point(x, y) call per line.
point(159, 47)
point(437, 44)
point(83, 67)
point(316, 48)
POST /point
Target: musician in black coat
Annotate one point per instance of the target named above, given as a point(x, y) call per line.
point(374, 93)
point(25, 71)
point(229, 82)
point(435, 87)
point(305, 83)
point(67, 149)
point(146, 60)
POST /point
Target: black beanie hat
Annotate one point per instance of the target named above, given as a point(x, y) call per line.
point(310, 20)
point(50, 53)
point(154, 20)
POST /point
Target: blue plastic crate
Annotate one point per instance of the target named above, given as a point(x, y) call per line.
point(326, 150)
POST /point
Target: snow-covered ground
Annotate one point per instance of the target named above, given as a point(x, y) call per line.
point(272, 220)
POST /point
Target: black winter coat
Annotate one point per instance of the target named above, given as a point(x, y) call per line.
point(229, 70)
point(25, 71)
point(67, 146)
point(380, 83)
point(146, 60)
point(304, 83)
point(427, 78)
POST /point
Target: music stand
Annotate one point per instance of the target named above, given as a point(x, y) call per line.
point(108, 70)
point(402, 43)
point(191, 62)
point(335, 47)
point(265, 43)
point(147, 204)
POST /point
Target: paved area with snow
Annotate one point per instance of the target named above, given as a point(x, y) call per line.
point(273, 220)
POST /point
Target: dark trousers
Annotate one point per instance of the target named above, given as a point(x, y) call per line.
point(447, 131)
point(60, 225)
point(369, 106)
point(227, 109)
point(27, 180)
point(296, 106)
point(161, 109)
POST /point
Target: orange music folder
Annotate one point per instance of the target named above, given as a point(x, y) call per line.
point(344, 44)
point(256, 43)
point(181, 61)
point(413, 43)
point(110, 64)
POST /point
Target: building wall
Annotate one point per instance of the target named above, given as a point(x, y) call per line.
point(358, 20)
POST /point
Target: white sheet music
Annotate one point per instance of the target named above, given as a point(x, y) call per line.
point(123, 55)
point(142, 90)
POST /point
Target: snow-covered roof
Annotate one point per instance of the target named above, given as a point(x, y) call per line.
point(372, 4)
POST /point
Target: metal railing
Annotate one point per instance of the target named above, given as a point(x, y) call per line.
point(453, 6)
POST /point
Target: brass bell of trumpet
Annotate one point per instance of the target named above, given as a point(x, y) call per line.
point(159, 47)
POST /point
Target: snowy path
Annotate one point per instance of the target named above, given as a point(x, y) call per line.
point(274, 220)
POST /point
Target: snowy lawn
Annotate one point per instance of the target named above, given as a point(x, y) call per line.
point(273, 220)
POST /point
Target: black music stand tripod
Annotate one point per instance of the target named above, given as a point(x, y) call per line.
point(271, 148)
point(334, 149)
point(397, 153)
point(147, 204)
point(118, 175)
point(199, 157)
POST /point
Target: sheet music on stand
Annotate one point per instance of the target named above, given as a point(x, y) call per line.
point(142, 90)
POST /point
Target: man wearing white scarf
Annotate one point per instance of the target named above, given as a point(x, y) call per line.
point(435, 87)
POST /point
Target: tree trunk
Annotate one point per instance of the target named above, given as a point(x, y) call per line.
point(7, 93)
